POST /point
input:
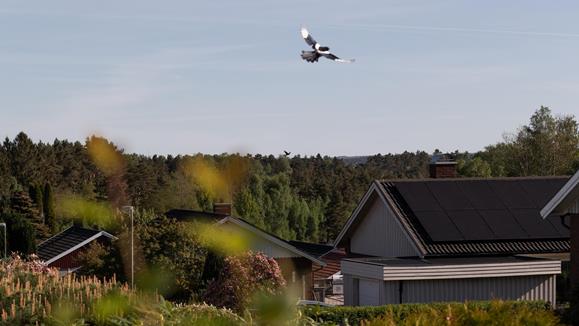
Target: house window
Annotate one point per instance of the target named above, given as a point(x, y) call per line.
point(293, 276)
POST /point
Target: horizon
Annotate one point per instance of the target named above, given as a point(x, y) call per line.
point(227, 77)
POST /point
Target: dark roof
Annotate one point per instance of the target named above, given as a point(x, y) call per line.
point(191, 215)
point(333, 260)
point(314, 249)
point(186, 215)
point(64, 241)
point(479, 216)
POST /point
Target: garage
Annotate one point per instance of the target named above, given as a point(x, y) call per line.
point(369, 292)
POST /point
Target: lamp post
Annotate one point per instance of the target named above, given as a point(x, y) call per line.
point(130, 210)
point(3, 225)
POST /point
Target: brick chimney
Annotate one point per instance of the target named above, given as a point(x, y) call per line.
point(442, 167)
point(222, 208)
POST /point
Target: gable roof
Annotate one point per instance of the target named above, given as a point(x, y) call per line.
point(567, 196)
point(188, 214)
point(315, 249)
point(473, 216)
point(67, 242)
point(193, 215)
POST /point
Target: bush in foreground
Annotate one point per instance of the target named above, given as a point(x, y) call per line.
point(469, 313)
point(242, 278)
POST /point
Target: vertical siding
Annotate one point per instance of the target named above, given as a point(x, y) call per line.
point(348, 290)
point(541, 287)
point(379, 234)
point(574, 208)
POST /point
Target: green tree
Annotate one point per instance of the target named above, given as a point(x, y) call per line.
point(49, 209)
point(475, 167)
point(548, 145)
point(35, 193)
point(21, 234)
point(171, 250)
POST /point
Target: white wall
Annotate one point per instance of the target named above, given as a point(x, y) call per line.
point(379, 234)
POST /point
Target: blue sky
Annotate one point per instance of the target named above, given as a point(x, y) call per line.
point(225, 76)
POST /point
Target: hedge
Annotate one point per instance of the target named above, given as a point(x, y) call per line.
point(475, 312)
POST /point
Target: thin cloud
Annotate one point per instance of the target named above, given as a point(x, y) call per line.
point(453, 29)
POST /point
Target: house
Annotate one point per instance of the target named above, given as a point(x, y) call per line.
point(565, 203)
point(297, 260)
point(453, 239)
point(61, 250)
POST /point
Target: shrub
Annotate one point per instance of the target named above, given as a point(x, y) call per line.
point(242, 278)
point(469, 313)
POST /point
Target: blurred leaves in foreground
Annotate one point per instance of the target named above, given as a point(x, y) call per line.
point(87, 212)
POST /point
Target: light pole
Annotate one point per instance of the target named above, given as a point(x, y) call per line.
point(3, 225)
point(130, 210)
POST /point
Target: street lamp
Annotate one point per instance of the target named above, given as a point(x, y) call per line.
point(131, 210)
point(3, 225)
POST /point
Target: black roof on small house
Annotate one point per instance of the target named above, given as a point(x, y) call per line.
point(193, 215)
point(315, 249)
point(479, 216)
point(68, 241)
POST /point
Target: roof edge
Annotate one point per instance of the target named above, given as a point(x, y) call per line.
point(560, 198)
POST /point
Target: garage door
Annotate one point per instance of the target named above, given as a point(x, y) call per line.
point(369, 292)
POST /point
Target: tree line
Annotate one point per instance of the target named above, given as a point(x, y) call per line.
point(302, 198)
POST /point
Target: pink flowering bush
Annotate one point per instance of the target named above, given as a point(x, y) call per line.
point(242, 278)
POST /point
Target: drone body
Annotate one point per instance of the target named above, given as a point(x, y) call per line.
point(318, 50)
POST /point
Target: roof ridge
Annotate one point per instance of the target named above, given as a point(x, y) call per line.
point(555, 177)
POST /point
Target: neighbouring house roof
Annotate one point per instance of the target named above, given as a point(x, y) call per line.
point(68, 241)
point(333, 260)
point(314, 249)
point(192, 215)
point(473, 216)
point(566, 198)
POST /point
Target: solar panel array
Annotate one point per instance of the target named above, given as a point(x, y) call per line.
point(483, 209)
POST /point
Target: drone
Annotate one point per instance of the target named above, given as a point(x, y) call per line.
point(319, 51)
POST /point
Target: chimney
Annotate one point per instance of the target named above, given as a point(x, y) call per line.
point(222, 208)
point(442, 167)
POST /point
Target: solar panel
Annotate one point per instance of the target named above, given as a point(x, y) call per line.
point(470, 224)
point(511, 194)
point(438, 226)
point(503, 224)
point(556, 222)
point(480, 194)
point(540, 191)
point(534, 225)
point(417, 196)
point(449, 195)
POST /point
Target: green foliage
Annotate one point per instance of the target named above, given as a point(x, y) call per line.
point(35, 193)
point(475, 167)
point(170, 250)
point(33, 294)
point(21, 234)
point(48, 207)
point(100, 259)
point(469, 313)
point(548, 145)
point(242, 278)
point(301, 198)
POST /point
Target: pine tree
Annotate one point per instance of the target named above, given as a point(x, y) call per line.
point(48, 202)
point(35, 193)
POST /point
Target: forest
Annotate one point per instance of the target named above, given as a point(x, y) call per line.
point(302, 198)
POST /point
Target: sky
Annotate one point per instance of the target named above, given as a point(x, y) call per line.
point(182, 77)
